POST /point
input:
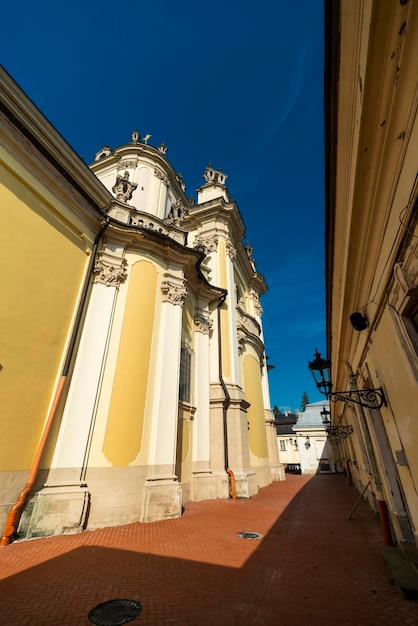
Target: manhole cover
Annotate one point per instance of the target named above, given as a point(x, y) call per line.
point(114, 612)
point(250, 535)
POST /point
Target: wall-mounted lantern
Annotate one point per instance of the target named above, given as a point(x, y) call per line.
point(368, 398)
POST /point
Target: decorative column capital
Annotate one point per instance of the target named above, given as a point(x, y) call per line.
point(203, 324)
point(160, 174)
point(231, 249)
point(173, 292)
point(206, 244)
point(110, 274)
point(127, 164)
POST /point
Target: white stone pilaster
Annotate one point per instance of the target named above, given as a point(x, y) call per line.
point(64, 500)
point(73, 436)
point(232, 315)
point(203, 481)
point(162, 492)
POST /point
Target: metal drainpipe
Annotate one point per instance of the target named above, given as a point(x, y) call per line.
point(15, 512)
point(226, 403)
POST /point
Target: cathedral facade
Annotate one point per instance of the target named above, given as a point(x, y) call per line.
point(134, 368)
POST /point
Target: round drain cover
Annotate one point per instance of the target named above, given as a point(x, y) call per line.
point(114, 612)
point(250, 535)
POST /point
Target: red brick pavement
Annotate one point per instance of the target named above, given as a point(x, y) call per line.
point(312, 566)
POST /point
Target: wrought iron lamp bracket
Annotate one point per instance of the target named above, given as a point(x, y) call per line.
point(368, 398)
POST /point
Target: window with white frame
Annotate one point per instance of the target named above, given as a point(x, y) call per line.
point(185, 378)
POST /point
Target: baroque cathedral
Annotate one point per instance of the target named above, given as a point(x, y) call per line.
point(134, 370)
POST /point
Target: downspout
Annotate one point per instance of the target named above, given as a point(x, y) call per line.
point(226, 403)
point(16, 511)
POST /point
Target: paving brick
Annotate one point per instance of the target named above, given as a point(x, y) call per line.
point(312, 566)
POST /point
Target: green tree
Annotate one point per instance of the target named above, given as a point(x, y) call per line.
point(304, 401)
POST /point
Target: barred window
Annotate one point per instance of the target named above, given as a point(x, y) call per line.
point(282, 444)
point(185, 374)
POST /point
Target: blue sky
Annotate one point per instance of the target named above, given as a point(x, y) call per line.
point(238, 84)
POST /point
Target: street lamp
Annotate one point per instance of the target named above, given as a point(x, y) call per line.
point(335, 434)
point(368, 398)
point(326, 417)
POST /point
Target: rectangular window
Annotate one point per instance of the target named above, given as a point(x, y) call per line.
point(185, 374)
point(282, 444)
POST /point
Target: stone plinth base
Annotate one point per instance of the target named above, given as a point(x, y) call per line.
point(56, 511)
point(204, 486)
point(161, 499)
point(246, 484)
point(277, 472)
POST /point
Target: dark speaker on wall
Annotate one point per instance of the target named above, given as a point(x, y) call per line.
point(358, 321)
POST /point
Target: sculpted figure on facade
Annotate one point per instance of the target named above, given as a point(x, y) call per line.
point(257, 305)
point(162, 148)
point(123, 188)
point(177, 214)
point(179, 178)
point(249, 250)
point(214, 176)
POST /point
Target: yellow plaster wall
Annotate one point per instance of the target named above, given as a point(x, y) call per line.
point(254, 394)
point(123, 437)
point(387, 358)
point(42, 264)
point(188, 319)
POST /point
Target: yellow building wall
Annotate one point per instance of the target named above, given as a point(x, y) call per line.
point(42, 264)
point(387, 358)
point(254, 394)
point(124, 431)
